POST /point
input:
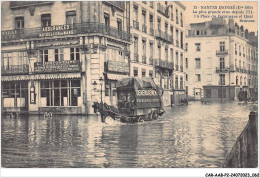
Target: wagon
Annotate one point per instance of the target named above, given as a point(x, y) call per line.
point(138, 100)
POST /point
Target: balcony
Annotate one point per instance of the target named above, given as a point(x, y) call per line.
point(144, 59)
point(176, 67)
point(144, 28)
point(163, 36)
point(151, 31)
point(163, 10)
point(117, 4)
point(136, 57)
point(156, 62)
point(221, 70)
point(165, 64)
point(63, 30)
point(237, 69)
point(150, 61)
point(15, 69)
point(57, 67)
point(136, 25)
point(222, 52)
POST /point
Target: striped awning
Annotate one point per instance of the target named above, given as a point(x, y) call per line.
point(116, 76)
point(41, 76)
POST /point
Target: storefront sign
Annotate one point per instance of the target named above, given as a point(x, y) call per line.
point(57, 30)
point(41, 76)
point(56, 43)
point(117, 66)
point(146, 93)
point(57, 66)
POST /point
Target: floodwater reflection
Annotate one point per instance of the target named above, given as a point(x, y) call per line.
point(187, 136)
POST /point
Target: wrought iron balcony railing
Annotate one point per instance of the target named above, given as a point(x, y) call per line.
point(15, 69)
point(163, 10)
point(222, 52)
point(62, 30)
point(162, 35)
point(221, 69)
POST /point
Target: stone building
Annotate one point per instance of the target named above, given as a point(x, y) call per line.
point(222, 59)
point(53, 52)
point(157, 48)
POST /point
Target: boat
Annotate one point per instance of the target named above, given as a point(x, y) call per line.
point(138, 100)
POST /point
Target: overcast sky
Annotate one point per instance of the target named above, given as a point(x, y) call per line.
point(189, 16)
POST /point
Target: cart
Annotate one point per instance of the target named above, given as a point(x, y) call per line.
point(138, 100)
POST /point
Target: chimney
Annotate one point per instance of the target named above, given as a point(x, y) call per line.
point(231, 26)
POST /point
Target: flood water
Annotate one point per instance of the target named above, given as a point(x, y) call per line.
point(185, 136)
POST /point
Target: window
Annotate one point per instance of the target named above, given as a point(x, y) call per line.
point(171, 55)
point(151, 73)
point(19, 22)
point(176, 58)
point(176, 82)
point(107, 22)
point(221, 93)
point(135, 71)
point(22, 58)
point(144, 17)
point(198, 77)
point(187, 77)
point(46, 20)
point(71, 17)
point(59, 54)
point(166, 54)
point(151, 21)
point(182, 40)
point(241, 80)
point(151, 50)
point(60, 92)
point(119, 26)
point(166, 28)
point(107, 87)
point(222, 46)
point(181, 83)
point(151, 4)
point(177, 18)
point(236, 49)
point(135, 13)
point(136, 45)
point(197, 45)
point(144, 47)
point(221, 79)
point(197, 61)
point(44, 55)
point(159, 52)
point(159, 24)
point(171, 29)
point(143, 72)
point(222, 63)
point(208, 93)
point(187, 63)
point(74, 54)
point(197, 32)
point(7, 59)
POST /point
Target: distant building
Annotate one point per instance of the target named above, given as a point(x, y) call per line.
point(157, 48)
point(222, 59)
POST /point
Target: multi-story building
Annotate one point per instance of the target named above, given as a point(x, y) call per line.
point(61, 56)
point(53, 52)
point(157, 48)
point(221, 60)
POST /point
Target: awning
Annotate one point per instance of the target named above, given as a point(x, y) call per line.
point(41, 76)
point(116, 76)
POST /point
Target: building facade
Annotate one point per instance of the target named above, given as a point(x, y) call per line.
point(157, 48)
point(54, 52)
point(222, 59)
point(60, 57)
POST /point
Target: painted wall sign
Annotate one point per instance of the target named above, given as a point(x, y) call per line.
point(146, 93)
point(56, 43)
point(117, 66)
point(57, 66)
point(41, 76)
point(9, 34)
point(57, 30)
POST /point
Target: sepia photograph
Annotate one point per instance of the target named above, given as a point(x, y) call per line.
point(130, 84)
